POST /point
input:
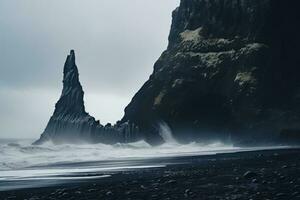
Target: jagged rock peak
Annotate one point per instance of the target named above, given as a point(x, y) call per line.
point(71, 100)
point(70, 123)
point(71, 76)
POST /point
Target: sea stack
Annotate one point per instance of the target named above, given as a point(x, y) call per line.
point(70, 123)
point(69, 120)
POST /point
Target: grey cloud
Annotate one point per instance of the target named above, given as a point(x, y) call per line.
point(116, 44)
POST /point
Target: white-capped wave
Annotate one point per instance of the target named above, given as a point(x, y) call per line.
point(23, 155)
point(21, 162)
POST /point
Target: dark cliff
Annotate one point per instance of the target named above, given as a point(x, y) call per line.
point(231, 69)
point(70, 123)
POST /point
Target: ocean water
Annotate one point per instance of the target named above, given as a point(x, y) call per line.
point(20, 154)
point(23, 165)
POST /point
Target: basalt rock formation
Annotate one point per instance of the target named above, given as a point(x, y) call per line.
point(70, 123)
point(231, 70)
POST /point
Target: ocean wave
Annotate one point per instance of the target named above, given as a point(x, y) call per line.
point(20, 155)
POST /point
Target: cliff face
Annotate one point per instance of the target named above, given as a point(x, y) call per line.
point(231, 69)
point(70, 123)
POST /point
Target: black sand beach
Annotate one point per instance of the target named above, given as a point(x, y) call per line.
point(269, 174)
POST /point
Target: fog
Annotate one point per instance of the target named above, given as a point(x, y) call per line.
point(116, 44)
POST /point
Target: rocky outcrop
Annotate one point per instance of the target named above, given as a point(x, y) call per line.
point(70, 123)
point(231, 70)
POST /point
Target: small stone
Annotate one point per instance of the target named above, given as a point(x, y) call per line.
point(280, 195)
point(187, 191)
point(128, 192)
point(262, 169)
point(282, 177)
point(254, 181)
point(295, 194)
point(171, 181)
point(250, 174)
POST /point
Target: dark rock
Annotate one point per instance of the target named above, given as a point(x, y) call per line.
point(254, 181)
point(187, 193)
point(143, 187)
point(280, 195)
point(70, 123)
point(230, 67)
point(230, 72)
point(284, 167)
point(109, 193)
point(282, 177)
point(171, 181)
point(295, 194)
point(262, 170)
point(108, 125)
point(250, 174)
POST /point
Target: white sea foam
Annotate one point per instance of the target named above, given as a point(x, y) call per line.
point(14, 156)
point(20, 161)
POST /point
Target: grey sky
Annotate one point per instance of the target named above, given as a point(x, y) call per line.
point(116, 44)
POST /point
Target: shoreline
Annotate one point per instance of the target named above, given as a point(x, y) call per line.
point(274, 174)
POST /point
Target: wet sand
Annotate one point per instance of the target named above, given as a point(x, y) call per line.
point(269, 174)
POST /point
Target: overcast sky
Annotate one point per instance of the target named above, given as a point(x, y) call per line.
point(116, 44)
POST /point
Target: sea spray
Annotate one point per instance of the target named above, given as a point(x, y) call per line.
point(23, 155)
point(166, 133)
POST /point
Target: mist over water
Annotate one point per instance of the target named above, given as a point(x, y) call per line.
point(21, 154)
point(49, 164)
